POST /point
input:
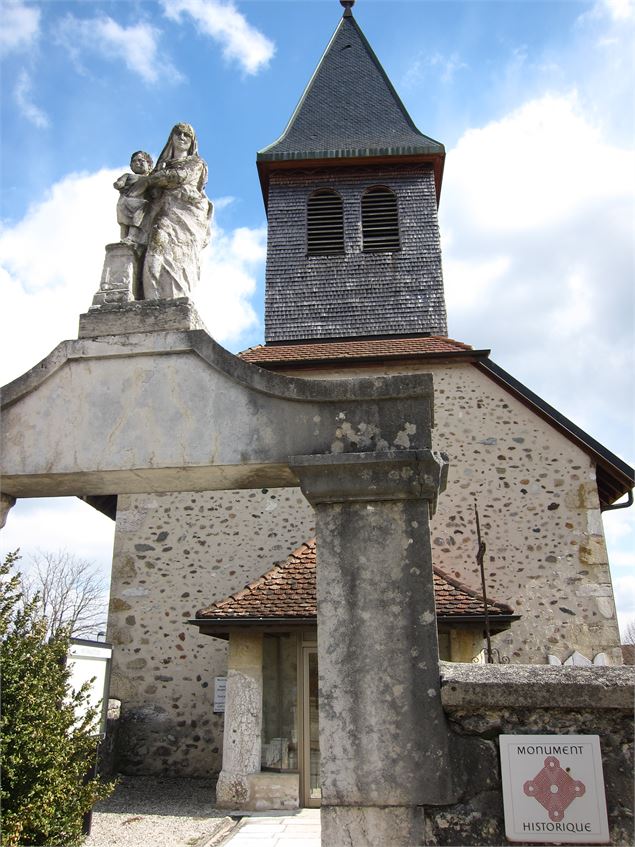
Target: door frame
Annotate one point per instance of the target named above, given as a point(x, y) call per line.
point(305, 648)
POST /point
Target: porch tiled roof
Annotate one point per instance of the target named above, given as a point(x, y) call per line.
point(348, 349)
point(288, 591)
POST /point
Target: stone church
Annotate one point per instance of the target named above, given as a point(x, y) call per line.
point(208, 585)
point(354, 288)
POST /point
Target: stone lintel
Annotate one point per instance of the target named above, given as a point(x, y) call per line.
point(389, 475)
point(127, 318)
point(465, 687)
point(172, 411)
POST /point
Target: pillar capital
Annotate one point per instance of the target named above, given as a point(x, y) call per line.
point(389, 475)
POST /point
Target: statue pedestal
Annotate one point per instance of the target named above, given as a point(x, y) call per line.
point(120, 281)
point(125, 318)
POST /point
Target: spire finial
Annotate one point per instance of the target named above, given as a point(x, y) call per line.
point(348, 5)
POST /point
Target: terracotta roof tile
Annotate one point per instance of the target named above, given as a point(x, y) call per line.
point(288, 590)
point(370, 348)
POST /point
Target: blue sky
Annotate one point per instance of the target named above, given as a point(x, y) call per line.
point(533, 100)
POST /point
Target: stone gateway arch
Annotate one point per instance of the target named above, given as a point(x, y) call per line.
point(145, 401)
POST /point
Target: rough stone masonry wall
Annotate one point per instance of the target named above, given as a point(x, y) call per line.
point(176, 553)
point(540, 518)
point(173, 555)
point(539, 511)
point(482, 702)
point(358, 293)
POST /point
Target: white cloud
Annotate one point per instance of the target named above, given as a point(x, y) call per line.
point(58, 523)
point(19, 27)
point(228, 281)
point(137, 46)
point(624, 588)
point(437, 65)
point(619, 528)
point(22, 95)
point(226, 25)
point(538, 265)
point(536, 167)
point(50, 267)
point(618, 10)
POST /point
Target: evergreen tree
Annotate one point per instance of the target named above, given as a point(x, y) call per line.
point(45, 751)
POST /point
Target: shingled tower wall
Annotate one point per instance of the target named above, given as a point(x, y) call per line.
point(358, 293)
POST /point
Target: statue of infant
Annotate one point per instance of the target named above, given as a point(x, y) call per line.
point(131, 206)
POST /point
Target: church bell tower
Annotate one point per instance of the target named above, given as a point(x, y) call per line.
point(351, 189)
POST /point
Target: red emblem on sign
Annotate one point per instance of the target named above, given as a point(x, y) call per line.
point(554, 789)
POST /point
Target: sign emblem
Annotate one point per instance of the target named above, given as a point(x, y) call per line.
point(554, 789)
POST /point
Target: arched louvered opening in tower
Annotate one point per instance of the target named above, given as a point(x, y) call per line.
point(325, 223)
point(380, 220)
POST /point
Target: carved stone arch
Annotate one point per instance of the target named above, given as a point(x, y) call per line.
point(166, 409)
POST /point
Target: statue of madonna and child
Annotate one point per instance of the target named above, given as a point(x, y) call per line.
point(164, 217)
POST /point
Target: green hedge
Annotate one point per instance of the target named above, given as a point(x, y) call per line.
point(44, 753)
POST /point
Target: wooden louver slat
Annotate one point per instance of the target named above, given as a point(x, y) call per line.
point(380, 220)
point(325, 223)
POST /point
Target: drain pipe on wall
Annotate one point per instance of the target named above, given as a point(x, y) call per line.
point(613, 506)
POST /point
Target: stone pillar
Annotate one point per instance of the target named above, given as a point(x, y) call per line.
point(7, 502)
point(384, 744)
point(243, 720)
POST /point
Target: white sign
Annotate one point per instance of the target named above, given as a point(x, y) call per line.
point(89, 662)
point(220, 692)
point(553, 789)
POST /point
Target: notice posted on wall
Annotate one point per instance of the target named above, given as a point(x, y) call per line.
point(553, 789)
point(220, 692)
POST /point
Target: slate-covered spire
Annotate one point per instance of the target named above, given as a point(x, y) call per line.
point(351, 189)
point(350, 110)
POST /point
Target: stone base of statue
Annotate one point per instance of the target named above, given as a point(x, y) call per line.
point(124, 318)
point(120, 278)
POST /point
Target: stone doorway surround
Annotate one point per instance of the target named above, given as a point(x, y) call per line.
point(145, 401)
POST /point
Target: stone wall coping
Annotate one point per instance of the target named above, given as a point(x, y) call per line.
point(482, 687)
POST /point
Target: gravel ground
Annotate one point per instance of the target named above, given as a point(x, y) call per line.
point(159, 812)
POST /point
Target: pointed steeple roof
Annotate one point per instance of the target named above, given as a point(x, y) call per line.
point(350, 110)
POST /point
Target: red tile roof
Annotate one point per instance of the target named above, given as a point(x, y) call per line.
point(347, 349)
point(288, 591)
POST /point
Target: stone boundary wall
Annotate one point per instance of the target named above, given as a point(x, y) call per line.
point(483, 702)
